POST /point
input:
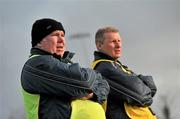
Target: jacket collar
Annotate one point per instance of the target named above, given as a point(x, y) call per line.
point(67, 55)
point(100, 55)
point(37, 51)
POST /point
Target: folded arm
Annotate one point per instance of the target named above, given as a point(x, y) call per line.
point(49, 76)
point(124, 86)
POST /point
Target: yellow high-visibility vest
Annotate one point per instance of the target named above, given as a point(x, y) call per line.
point(87, 109)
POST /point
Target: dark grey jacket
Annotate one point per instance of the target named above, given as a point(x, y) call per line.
point(57, 83)
point(131, 88)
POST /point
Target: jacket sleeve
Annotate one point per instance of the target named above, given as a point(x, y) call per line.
point(124, 86)
point(100, 89)
point(47, 75)
point(148, 80)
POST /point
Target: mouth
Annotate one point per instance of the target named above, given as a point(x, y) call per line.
point(59, 47)
point(118, 50)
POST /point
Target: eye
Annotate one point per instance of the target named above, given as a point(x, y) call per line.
point(62, 35)
point(113, 41)
point(55, 34)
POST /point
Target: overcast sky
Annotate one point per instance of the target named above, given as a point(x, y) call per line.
point(150, 30)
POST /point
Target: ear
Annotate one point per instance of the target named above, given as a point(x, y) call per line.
point(98, 45)
point(39, 45)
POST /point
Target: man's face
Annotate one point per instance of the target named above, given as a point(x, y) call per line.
point(54, 43)
point(112, 45)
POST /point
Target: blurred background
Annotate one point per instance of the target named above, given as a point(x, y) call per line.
point(150, 30)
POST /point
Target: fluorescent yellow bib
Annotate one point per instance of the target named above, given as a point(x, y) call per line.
point(133, 112)
point(86, 109)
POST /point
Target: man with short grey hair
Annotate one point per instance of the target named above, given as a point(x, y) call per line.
point(131, 94)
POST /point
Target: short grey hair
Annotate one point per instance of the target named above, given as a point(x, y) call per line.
point(99, 37)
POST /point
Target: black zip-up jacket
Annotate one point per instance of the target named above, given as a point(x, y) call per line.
point(136, 90)
point(49, 85)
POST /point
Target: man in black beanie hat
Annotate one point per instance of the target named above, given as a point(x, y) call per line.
point(50, 81)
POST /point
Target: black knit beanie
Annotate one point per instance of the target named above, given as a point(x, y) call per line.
point(43, 27)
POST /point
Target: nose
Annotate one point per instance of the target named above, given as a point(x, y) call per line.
point(60, 39)
point(118, 44)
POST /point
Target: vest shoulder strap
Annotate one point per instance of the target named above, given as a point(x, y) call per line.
point(32, 56)
point(106, 60)
point(98, 61)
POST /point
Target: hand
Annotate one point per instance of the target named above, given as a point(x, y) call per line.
point(90, 95)
point(148, 80)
